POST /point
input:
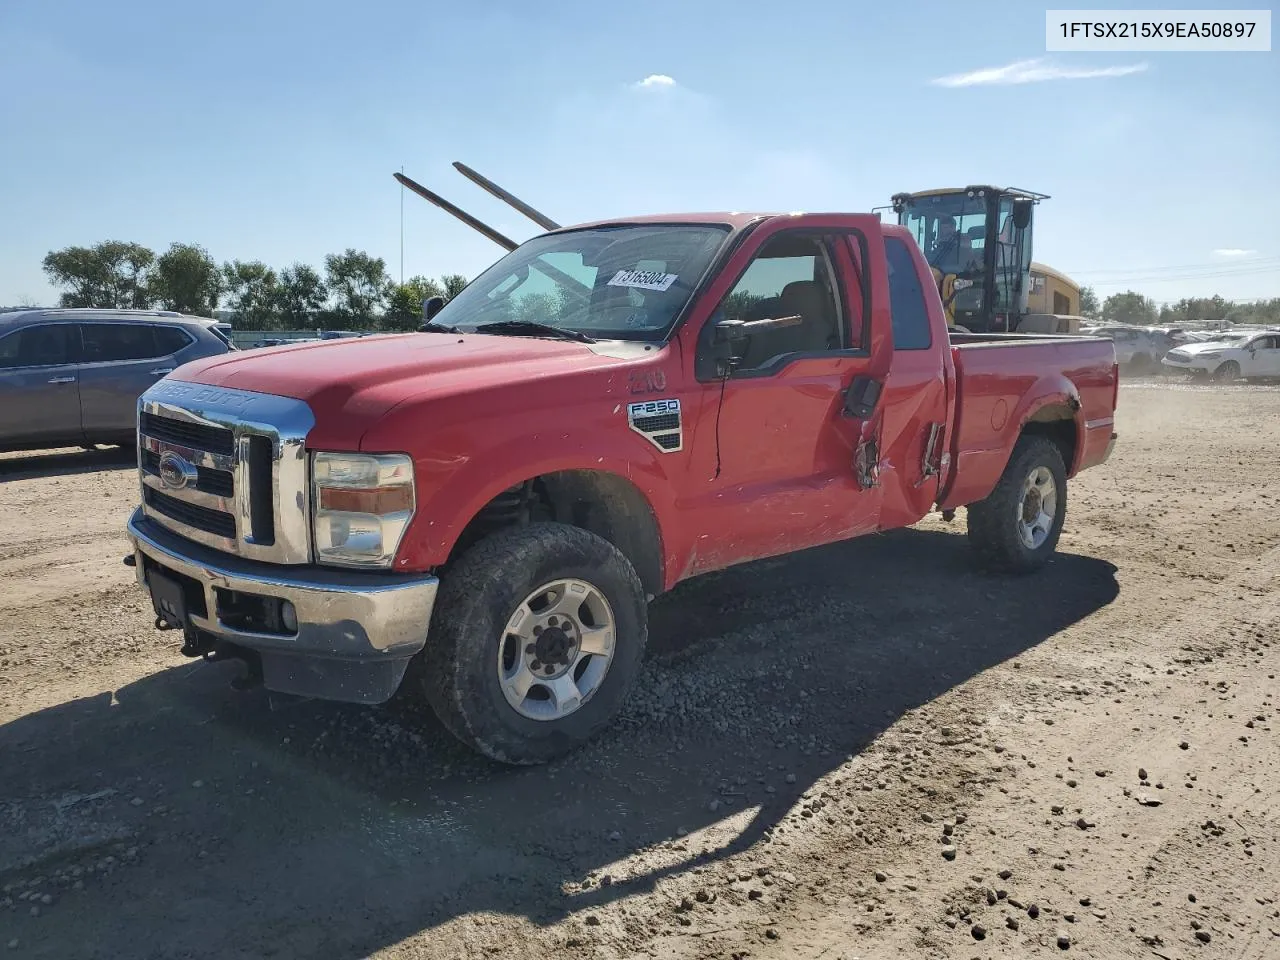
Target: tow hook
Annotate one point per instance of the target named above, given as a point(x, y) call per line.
point(130, 560)
point(194, 643)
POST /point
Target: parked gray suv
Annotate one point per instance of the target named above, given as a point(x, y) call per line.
point(73, 377)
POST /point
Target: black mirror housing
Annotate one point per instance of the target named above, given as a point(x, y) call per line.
point(431, 306)
point(1022, 213)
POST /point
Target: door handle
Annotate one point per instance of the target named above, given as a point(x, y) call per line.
point(161, 371)
point(861, 397)
point(63, 380)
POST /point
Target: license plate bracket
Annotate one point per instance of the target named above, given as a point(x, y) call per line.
point(169, 599)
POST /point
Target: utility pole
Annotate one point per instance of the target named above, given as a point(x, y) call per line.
point(402, 230)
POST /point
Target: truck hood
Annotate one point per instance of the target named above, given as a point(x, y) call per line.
point(350, 383)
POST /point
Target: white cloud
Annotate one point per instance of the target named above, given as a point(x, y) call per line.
point(656, 80)
point(1032, 71)
point(1232, 252)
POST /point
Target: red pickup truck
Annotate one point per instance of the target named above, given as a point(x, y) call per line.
point(608, 410)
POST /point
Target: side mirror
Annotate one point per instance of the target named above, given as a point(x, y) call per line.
point(431, 306)
point(721, 343)
point(1022, 214)
point(734, 330)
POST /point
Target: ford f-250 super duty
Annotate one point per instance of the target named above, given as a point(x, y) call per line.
point(608, 410)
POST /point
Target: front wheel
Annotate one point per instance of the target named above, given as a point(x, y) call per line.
point(1016, 528)
point(1227, 372)
point(536, 637)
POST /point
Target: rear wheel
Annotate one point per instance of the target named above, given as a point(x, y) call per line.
point(536, 637)
point(1227, 372)
point(1016, 528)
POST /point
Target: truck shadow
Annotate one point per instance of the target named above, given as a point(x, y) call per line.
point(19, 465)
point(320, 828)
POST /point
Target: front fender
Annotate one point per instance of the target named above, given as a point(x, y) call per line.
point(451, 498)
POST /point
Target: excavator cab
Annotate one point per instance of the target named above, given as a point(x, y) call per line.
point(977, 239)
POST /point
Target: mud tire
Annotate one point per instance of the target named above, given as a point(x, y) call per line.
point(993, 522)
point(479, 593)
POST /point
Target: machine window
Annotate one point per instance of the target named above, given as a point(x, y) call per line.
point(38, 346)
point(906, 299)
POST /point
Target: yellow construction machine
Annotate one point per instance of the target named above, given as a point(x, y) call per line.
point(977, 239)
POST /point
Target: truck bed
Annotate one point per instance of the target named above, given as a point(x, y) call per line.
point(1005, 379)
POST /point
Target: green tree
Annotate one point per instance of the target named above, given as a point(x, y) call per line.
point(300, 296)
point(404, 302)
point(359, 286)
point(1258, 311)
point(539, 307)
point(254, 293)
point(1129, 307)
point(187, 279)
point(1197, 308)
point(109, 274)
point(1089, 306)
point(453, 284)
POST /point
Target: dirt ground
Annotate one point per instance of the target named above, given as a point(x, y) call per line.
point(866, 750)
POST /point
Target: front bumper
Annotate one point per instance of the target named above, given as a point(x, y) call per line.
point(356, 632)
point(1189, 365)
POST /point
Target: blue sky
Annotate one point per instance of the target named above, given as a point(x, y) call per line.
point(266, 130)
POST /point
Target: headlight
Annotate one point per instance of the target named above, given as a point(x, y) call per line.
point(363, 504)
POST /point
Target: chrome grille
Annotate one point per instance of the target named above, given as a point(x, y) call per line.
point(227, 468)
point(216, 522)
point(218, 440)
point(218, 482)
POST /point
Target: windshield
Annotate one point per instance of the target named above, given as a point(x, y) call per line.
point(619, 283)
point(950, 229)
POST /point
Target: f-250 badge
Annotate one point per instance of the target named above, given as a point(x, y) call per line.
point(659, 422)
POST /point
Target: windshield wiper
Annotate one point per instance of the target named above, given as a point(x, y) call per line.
point(432, 327)
point(533, 327)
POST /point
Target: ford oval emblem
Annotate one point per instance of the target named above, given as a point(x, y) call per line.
point(176, 472)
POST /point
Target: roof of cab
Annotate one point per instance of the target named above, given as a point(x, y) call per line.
point(734, 220)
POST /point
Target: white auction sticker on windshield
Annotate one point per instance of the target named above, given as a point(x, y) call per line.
point(644, 279)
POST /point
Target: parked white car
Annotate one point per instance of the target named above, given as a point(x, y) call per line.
point(1138, 349)
point(1254, 356)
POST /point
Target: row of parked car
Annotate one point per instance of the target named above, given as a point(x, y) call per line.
point(1226, 354)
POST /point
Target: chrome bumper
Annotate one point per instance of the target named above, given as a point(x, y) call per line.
point(356, 631)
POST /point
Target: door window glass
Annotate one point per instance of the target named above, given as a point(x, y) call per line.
point(790, 276)
point(906, 299)
point(38, 346)
point(170, 340)
point(105, 342)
